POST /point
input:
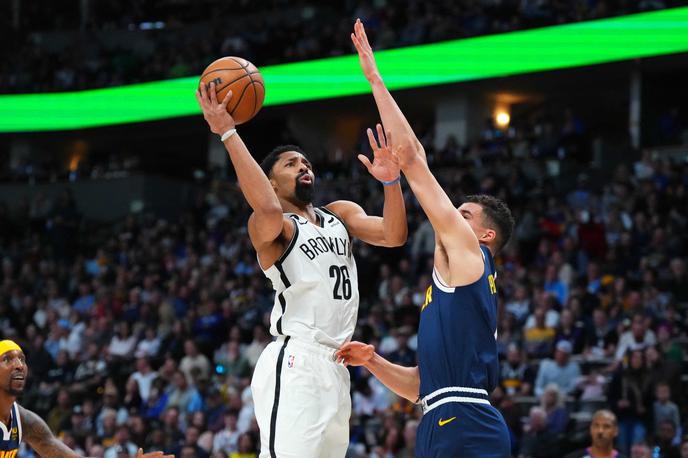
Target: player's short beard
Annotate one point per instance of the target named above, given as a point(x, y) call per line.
point(15, 393)
point(304, 192)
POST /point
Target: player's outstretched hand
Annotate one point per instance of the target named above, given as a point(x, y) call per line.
point(214, 112)
point(355, 353)
point(408, 153)
point(385, 166)
point(365, 52)
point(140, 454)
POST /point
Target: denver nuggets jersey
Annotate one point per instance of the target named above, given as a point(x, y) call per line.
point(457, 345)
point(316, 283)
point(11, 437)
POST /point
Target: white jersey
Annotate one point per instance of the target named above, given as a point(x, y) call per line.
point(316, 283)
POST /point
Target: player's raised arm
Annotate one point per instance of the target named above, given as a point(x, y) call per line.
point(453, 232)
point(404, 381)
point(392, 229)
point(267, 220)
point(392, 118)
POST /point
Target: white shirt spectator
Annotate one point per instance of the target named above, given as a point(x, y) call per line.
point(145, 382)
point(199, 361)
point(148, 347)
point(627, 342)
point(122, 347)
point(551, 319)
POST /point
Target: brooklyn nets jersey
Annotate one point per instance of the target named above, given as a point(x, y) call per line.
point(316, 283)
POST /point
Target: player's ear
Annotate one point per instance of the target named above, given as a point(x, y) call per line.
point(273, 182)
point(488, 236)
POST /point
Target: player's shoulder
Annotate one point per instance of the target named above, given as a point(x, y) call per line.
point(342, 210)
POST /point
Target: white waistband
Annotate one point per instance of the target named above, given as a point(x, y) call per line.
point(453, 389)
point(309, 346)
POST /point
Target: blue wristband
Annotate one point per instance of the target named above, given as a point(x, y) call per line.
point(390, 183)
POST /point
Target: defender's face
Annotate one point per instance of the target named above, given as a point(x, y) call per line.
point(473, 214)
point(13, 371)
point(292, 176)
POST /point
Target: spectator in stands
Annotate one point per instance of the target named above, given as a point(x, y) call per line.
point(122, 444)
point(257, 345)
point(144, 377)
point(601, 337)
point(561, 371)
point(122, 344)
point(519, 306)
point(409, 449)
point(233, 363)
point(684, 449)
point(516, 376)
point(194, 360)
point(603, 431)
point(553, 402)
point(539, 337)
point(641, 450)
point(626, 397)
point(639, 336)
point(537, 441)
point(226, 441)
point(665, 438)
point(247, 447)
point(571, 330)
point(183, 395)
point(554, 285)
point(664, 409)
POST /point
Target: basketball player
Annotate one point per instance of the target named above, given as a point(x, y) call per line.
point(18, 424)
point(457, 349)
point(301, 394)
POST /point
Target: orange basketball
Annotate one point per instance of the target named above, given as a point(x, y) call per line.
point(243, 79)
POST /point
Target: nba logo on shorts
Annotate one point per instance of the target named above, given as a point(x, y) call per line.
point(290, 361)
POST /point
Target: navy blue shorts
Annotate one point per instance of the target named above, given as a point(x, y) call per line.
point(463, 430)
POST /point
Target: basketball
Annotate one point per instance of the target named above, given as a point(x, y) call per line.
point(243, 79)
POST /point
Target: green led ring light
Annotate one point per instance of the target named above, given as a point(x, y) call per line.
point(584, 43)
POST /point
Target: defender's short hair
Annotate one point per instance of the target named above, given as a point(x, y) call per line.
point(497, 216)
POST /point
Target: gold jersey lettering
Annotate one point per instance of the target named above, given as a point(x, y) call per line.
point(493, 287)
point(428, 298)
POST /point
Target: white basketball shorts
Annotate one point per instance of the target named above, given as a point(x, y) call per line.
point(301, 400)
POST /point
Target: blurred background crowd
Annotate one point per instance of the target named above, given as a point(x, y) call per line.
point(146, 331)
point(88, 44)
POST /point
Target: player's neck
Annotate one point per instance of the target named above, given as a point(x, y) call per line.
point(602, 452)
point(6, 401)
point(305, 210)
point(491, 250)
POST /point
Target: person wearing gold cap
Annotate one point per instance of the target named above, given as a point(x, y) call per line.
point(18, 424)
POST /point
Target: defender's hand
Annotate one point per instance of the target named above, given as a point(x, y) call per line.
point(355, 353)
point(408, 153)
point(219, 120)
point(365, 52)
point(385, 166)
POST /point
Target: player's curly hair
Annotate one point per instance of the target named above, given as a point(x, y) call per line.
point(497, 217)
point(273, 156)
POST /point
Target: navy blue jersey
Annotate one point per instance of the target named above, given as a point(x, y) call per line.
point(457, 344)
point(11, 437)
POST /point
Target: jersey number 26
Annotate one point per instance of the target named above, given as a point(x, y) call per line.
point(342, 283)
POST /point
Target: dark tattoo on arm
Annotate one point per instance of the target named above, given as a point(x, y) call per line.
point(37, 434)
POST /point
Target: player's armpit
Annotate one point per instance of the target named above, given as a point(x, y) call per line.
point(37, 434)
point(270, 245)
